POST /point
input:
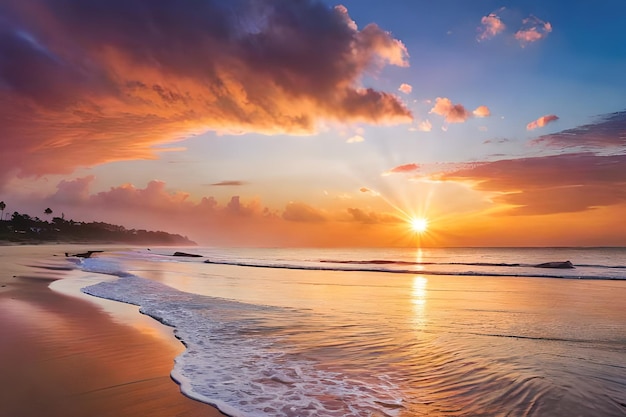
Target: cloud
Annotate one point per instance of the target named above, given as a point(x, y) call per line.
point(93, 83)
point(491, 26)
point(237, 208)
point(551, 184)
point(403, 169)
point(152, 202)
point(300, 212)
point(542, 121)
point(355, 139)
point(366, 190)
point(533, 29)
point(405, 88)
point(456, 113)
point(482, 111)
point(497, 141)
point(228, 183)
point(453, 113)
point(371, 217)
point(425, 126)
point(608, 132)
point(75, 190)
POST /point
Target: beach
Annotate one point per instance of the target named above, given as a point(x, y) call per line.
point(65, 356)
point(312, 332)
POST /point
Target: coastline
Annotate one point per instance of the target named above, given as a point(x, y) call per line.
point(64, 355)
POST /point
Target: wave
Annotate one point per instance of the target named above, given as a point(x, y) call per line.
point(386, 262)
point(562, 273)
point(485, 264)
point(602, 266)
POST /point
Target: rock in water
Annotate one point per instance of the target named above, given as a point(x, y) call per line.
point(189, 255)
point(559, 265)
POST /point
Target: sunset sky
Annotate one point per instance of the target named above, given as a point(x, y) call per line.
point(293, 122)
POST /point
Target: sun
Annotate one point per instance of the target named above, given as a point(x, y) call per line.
point(419, 224)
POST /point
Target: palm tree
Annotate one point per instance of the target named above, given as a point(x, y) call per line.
point(48, 211)
point(2, 207)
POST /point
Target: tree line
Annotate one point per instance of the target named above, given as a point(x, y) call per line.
point(25, 228)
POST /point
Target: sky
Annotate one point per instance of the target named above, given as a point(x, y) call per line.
point(318, 123)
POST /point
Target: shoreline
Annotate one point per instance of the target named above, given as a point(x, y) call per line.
point(72, 355)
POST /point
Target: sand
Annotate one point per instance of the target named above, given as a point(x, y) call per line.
point(65, 356)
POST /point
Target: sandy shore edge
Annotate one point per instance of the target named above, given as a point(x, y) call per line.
point(67, 355)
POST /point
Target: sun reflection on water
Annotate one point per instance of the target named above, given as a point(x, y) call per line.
point(419, 297)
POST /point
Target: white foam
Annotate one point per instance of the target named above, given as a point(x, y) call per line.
point(234, 361)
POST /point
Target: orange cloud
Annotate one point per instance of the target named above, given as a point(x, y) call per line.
point(542, 121)
point(88, 85)
point(237, 221)
point(456, 113)
point(533, 29)
point(491, 26)
point(551, 184)
point(405, 88)
point(482, 111)
point(371, 217)
point(300, 212)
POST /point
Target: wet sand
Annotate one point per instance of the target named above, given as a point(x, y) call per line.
point(65, 356)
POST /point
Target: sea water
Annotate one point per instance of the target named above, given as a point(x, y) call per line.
point(387, 332)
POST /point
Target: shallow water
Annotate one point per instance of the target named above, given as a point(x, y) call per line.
point(293, 342)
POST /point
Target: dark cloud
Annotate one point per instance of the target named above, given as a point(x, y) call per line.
point(228, 183)
point(608, 132)
point(497, 141)
point(86, 82)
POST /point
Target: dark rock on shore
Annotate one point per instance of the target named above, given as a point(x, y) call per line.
point(83, 254)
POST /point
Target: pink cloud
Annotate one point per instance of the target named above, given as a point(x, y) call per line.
point(75, 190)
point(453, 113)
point(405, 88)
point(542, 121)
point(403, 169)
point(456, 113)
point(533, 29)
point(491, 26)
point(235, 221)
point(551, 184)
point(99, 84)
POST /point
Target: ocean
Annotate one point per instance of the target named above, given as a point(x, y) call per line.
point(386, 332)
